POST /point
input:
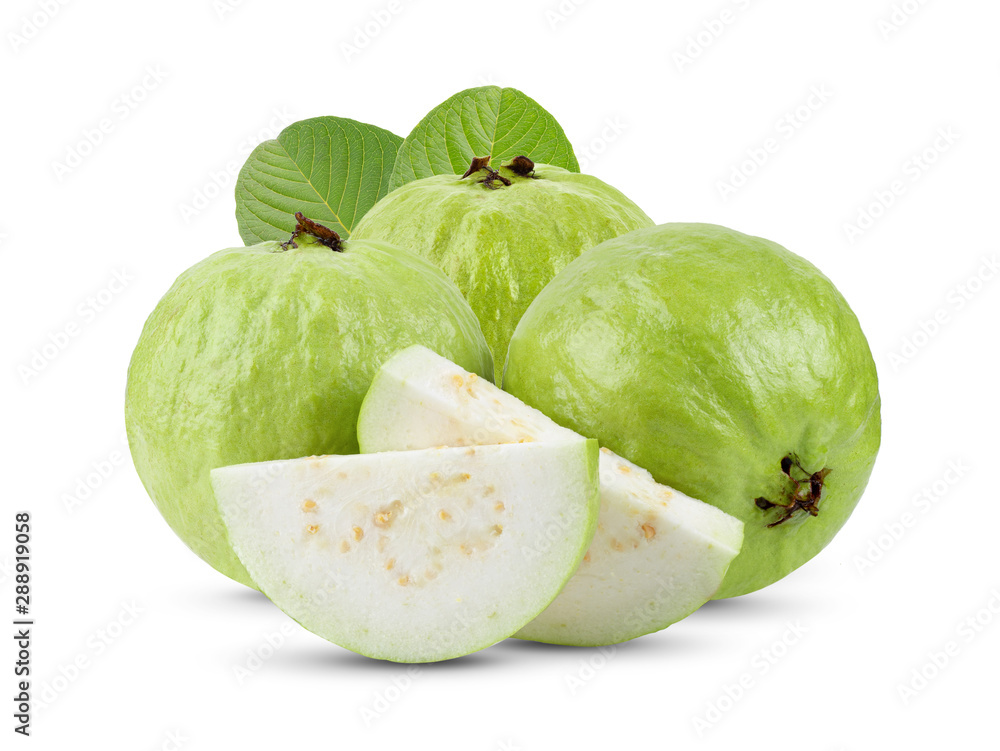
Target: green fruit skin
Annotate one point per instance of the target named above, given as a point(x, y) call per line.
point(256, 354)
point(706, 356)
point(502, 246)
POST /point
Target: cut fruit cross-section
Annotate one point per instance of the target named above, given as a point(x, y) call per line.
point(414, 556)
point(657, 555)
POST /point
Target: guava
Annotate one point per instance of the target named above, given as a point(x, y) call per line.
point(414, 556)
point(729, 367)
point(501, 234)
point(265, 352)
point(657, 555)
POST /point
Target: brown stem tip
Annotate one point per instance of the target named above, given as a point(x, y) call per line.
point(521, 166)
point(323, 235)
point(478, 163)
point(805, 492)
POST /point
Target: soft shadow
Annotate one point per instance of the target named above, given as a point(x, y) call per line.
point(236, 596)
point(659, 644)
point(761, 603)
point(506, 655)
point(335, 660)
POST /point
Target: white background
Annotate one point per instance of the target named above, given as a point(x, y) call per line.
point(821, 656)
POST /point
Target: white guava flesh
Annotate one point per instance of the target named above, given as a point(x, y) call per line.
point(414, 556)
point(657, 555)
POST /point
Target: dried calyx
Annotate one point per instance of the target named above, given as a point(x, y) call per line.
point(520, 166)
point(322, 235)
point(478, 163)
point(805, 492)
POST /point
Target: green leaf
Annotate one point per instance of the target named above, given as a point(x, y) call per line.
point(485, 121)
point(330, 168)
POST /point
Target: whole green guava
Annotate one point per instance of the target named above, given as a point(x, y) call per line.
point(502, 234)
point(266, 352)
point(730, 368)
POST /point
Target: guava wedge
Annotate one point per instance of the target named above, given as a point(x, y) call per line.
point(414, 556)
point(657, 555)
point(501, 232)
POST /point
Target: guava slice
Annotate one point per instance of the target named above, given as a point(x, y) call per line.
point(414, 556)
point(657, 555)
